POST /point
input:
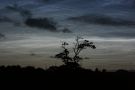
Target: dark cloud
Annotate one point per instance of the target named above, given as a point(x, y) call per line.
point(45, 24)
point(9, 20)
point(50, 1)
point(5, 19)
point(103, 20)
point(66, 30)
point(44, 1)
point(2, 35)
point(123, 34)
point(23, 12)
point(42, 23)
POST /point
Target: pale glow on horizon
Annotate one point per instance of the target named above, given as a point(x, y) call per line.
point(114, 52)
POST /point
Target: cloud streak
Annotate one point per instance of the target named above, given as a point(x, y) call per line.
point(2, 36)
point(23, 12)
point(5, 19)
point(45, 24)
point(102, 20)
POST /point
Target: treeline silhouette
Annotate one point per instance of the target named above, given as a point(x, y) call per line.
point(63, 69)
point(74, 76)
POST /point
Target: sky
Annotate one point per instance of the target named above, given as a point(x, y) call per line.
point(39, 27)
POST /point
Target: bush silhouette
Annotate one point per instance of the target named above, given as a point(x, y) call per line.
point(79, 45)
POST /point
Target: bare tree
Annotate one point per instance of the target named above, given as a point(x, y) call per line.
point(79, 45)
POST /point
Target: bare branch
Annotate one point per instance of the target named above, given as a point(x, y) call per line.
point(79, 45)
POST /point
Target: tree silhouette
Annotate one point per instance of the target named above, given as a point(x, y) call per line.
point(79, 45)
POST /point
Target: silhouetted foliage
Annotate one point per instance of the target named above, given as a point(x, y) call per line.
point(104, 70)
point(67, 75)
point(55, 69)
point(96, 70)
point(79, 45)
point(121, 71)
point(43, 23)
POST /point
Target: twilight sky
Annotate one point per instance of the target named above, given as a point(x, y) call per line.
point(110, 24)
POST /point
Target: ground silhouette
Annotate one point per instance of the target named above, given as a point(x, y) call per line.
point(72, 75)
